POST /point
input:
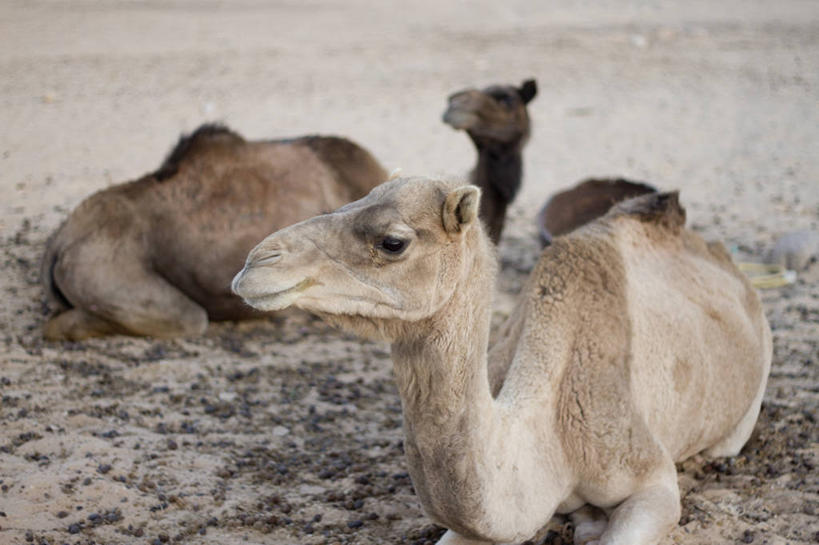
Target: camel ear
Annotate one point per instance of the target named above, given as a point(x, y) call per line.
point(461, 208)
point(528, 90)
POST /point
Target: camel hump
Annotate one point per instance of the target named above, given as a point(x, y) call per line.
point(355, 167)
point(190, 143)
point(662, 209)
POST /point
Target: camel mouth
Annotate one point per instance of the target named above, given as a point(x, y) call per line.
point(278, 300)
point(460, 119)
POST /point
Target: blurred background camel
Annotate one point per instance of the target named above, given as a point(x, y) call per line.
point(155, 256)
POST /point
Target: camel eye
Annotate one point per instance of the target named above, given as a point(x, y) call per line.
point(504, 100)
point(392, 245)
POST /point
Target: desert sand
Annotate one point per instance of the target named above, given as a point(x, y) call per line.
point(284, 430)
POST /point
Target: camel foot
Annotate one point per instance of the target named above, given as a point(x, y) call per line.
point(76, 324)
point(645, 517)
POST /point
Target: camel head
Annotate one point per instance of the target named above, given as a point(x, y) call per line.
point(394, 256)
point(496, 113)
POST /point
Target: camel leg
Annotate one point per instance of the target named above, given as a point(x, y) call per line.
point(646, 516)
point(76, 324)
point(589, 524)
point(163, 312)
point(139, 302)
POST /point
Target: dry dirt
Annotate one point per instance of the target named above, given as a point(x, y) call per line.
point(285, 431)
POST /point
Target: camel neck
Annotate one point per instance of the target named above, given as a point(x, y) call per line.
point(499, 168)
point(450, 348)
point(470, 455)
point(498, 173)
point(442, 366)
point(441, 372)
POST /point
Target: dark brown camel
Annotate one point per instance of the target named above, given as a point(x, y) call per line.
point(156, 256)
point(496, 120)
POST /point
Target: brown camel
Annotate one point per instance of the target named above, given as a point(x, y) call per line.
point(496, 120)
point(569, 209)
point(155, 256)
point(635, 344)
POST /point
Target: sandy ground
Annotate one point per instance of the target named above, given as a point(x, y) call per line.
point(285, 431)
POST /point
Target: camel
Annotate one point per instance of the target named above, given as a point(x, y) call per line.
point(567, 210)
point(497, 122)
point(155, 256)
point(635, 344)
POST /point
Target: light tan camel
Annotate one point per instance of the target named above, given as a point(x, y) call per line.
point(635, 344)
point(496, 120)
point(156, 256)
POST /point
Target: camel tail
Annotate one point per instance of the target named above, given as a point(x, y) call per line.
point(52, 291)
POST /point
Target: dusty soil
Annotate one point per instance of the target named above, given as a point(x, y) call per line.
point(285, 431)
